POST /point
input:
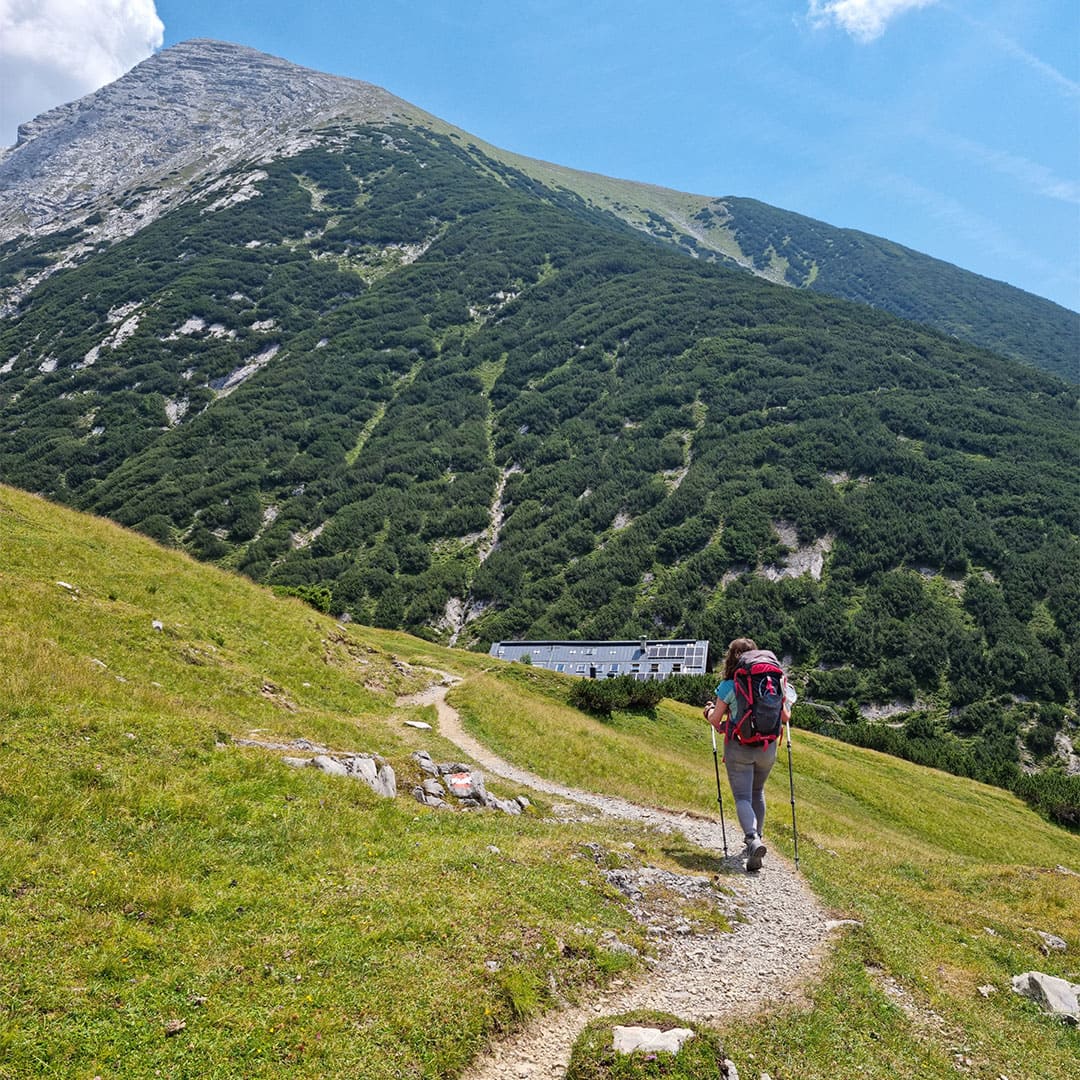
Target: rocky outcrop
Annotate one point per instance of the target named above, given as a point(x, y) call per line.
point(376, 773)
point(450, 785)
point(163, 133)
point(456, 786)
point(373, 770)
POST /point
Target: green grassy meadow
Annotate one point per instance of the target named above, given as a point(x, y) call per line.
point(174, 904)
point(152, 873)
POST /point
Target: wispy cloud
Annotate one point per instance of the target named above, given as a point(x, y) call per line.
point(1014, 48)
point(1036, 179)
point(52, 51)
point(864, 20)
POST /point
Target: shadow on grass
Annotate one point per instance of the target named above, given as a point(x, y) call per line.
point(700, 862)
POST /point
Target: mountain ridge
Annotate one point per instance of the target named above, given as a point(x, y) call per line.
point(60, 173)
point(115, 160)
point(177, 108)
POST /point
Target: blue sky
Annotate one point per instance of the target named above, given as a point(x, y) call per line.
point(951, 126)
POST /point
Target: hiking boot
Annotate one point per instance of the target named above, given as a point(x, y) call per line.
point(755, 852)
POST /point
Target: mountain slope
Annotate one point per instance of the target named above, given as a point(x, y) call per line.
point(153, 872)
point(417, 385)
point(791, 249)
point(104, 166)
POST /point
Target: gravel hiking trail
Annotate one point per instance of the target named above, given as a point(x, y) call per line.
point(779, 936)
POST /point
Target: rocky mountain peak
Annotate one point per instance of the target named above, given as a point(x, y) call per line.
point(186, 112)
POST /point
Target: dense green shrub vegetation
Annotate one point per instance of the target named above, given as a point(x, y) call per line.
point(624, 692)
point(20, 259)
point(418, 388)
point(983, 748)
point(871, 270)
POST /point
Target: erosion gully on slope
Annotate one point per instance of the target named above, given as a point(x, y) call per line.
point(773, 950)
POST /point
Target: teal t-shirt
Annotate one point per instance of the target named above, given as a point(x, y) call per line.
point(726, 691)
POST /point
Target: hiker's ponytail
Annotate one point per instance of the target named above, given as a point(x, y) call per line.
point(734, 651)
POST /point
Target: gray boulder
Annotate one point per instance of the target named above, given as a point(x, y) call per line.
point(1057, 996)
point(363, 768)
point(378, 775)
point(380, 778)
point(329, 765)
point(425, 799)
point(423, 759)
point(387, 782)
point(1051, 942)
point(446, 767)
point(464, 783)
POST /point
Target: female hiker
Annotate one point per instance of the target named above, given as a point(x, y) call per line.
point(752, 704)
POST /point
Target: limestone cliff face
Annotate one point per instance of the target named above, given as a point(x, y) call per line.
point(183, 115)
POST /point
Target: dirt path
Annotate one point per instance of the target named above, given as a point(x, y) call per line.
point(769, 956)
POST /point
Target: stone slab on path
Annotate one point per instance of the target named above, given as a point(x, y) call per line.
point(628, 1040)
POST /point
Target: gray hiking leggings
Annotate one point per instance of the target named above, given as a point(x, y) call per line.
point(748, 768)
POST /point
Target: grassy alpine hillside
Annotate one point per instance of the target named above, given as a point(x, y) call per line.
point(157, 877)
point(441, 396)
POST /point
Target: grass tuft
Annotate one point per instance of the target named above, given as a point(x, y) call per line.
point(594, 1058)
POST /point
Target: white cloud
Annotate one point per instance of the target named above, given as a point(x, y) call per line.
point(864, 20)
point(53, 51)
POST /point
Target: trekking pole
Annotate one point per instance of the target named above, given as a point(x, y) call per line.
point(791, 781)
point(719, 796)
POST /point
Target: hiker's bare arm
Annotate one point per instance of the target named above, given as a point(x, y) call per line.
point(715, 712)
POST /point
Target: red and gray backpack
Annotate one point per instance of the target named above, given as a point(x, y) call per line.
point(756, 715)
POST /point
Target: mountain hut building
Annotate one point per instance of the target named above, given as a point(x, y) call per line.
point(641, 659)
